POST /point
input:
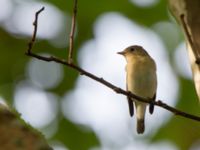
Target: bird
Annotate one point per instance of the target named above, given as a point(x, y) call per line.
point(141, 80)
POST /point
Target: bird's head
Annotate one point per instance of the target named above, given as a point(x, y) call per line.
point(134, 50)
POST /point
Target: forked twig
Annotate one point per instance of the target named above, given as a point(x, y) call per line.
point(35, 23)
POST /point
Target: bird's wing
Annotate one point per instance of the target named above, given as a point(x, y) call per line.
point(130, 103)
point(151, 105)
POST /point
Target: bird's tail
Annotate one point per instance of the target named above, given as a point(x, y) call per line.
point(140, 126)
point(140, 113)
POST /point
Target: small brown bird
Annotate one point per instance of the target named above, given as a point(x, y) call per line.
point(141, 80)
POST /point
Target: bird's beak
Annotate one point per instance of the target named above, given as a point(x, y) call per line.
point(121, 53)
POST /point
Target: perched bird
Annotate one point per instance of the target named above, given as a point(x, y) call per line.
point(141, 80)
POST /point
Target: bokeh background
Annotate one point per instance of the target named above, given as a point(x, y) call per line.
point(76, 113)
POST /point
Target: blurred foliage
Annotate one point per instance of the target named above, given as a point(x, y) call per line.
point(78, 138)
point(182, 132)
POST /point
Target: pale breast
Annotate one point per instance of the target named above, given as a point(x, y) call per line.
point(141, 78)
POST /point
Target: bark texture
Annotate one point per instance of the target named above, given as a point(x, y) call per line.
point(187, 13)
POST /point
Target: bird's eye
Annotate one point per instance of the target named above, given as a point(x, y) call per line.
point(132, 49)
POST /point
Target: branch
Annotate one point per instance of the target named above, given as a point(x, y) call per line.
point(16, 134)
point(113, 87)
point(108, 84)
point(71, 38)
point(195, 52)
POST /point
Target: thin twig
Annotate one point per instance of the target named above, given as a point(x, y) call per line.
point(108, 84)
point(71, 38)
point(30, 44)
point(196, 54)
